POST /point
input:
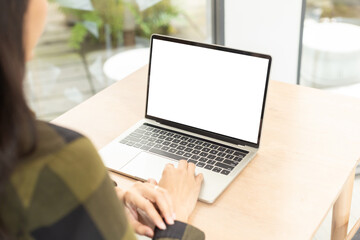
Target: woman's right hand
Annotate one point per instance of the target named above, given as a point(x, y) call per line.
point(183, 187)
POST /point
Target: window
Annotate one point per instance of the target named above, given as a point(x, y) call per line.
point(85, 39)
point(331, 49)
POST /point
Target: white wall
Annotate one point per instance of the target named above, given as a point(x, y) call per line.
point(267, 26)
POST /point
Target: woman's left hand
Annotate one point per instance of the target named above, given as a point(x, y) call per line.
point(150, 199)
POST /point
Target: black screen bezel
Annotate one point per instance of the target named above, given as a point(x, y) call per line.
point(197, 130)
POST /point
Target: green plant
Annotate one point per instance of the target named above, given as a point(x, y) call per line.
point(156, 19)
point(92, 24)
point(108, 16)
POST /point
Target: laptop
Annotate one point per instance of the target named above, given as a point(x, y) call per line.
point(205, 104)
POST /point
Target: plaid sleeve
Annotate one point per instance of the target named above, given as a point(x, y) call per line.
point(63, 191)
point(179, 231)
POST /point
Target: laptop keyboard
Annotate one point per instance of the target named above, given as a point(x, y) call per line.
point(178, 146)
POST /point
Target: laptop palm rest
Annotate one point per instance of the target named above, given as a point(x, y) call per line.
point(146, 165)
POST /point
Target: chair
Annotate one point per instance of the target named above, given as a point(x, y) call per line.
point(354, 234)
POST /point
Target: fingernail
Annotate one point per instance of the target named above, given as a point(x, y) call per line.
point(162, 226)
point(170, 220)
point(149, 233)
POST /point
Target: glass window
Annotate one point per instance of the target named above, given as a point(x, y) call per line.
point(89, 44)
point(331, 46)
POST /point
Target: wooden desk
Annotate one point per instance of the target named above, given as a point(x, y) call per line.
point(309, 150)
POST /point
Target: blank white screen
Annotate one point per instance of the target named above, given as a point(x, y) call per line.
point(213, 90)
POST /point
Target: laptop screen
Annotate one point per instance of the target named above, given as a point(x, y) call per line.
point(208, 87)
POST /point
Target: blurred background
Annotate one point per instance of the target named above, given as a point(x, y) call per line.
point(89, 44)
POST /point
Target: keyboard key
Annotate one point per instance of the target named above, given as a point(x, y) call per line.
point(219, 159)
point(191, 140)
point(184, 138)
point(152, 139)
point(162, 137)
point(147, 133)
point(137, 145)
point(158, 146)
point(129, 143)
point(231, 163)
point(180, 148)
point(238, 159)
point(198, 142)
point(225, 172)
point(176, 141)
point(170, 134)
point(166, 143)
point(180, 153)
point(145, 147)
point(177, 136)
point(155, 135)
point(140, 131)
point(163, 132)
point(211, 156)
point(240, 154)
point(159, 141)
point(169, 139)
point(172, 150)
point(166, 154)
point(150, 144)
point(173, 145)
point(224, 166)
point(191, 145)
point(214, 146)
point(200, 164)
point(135, 135)
point(203, 154)
point(132, 139)
point(221, 154)
point(211, 162)
point(188, 149)
point(203, 159)
point(229, 156)
point(216, 169)
point(155, 130)
point(206, 150)
point(208, 167)
point(229, 151)
point(195, 151)
point(165, 148)
point(183, 143)
point(145, 137)
point(213, 152)
point(187, 155)
point(192, 161)
point(206, 144)
point(198, 147)
point(195, 157)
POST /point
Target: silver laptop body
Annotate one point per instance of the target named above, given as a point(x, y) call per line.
point(205, 103)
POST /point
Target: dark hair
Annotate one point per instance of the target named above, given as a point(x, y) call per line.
point(17, 123)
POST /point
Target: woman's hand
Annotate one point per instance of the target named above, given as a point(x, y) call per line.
point(183, 186)
point(150, 199)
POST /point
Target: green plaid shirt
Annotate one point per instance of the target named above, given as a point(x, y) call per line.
point(62, 191)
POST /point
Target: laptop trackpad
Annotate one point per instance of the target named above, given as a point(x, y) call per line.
point(146, 165)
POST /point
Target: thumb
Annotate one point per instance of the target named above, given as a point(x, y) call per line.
point(199, 179)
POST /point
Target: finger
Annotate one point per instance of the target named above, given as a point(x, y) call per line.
point(142, 229)
point(158, 197)
point(191, 169)
point(199, 179)
point(170, 203)
point(152, 181)
point(183, 164)
point(150, 210)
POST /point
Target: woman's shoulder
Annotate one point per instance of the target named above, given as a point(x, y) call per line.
point(64, 154)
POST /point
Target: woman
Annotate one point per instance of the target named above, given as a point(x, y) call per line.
point(53, 184)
